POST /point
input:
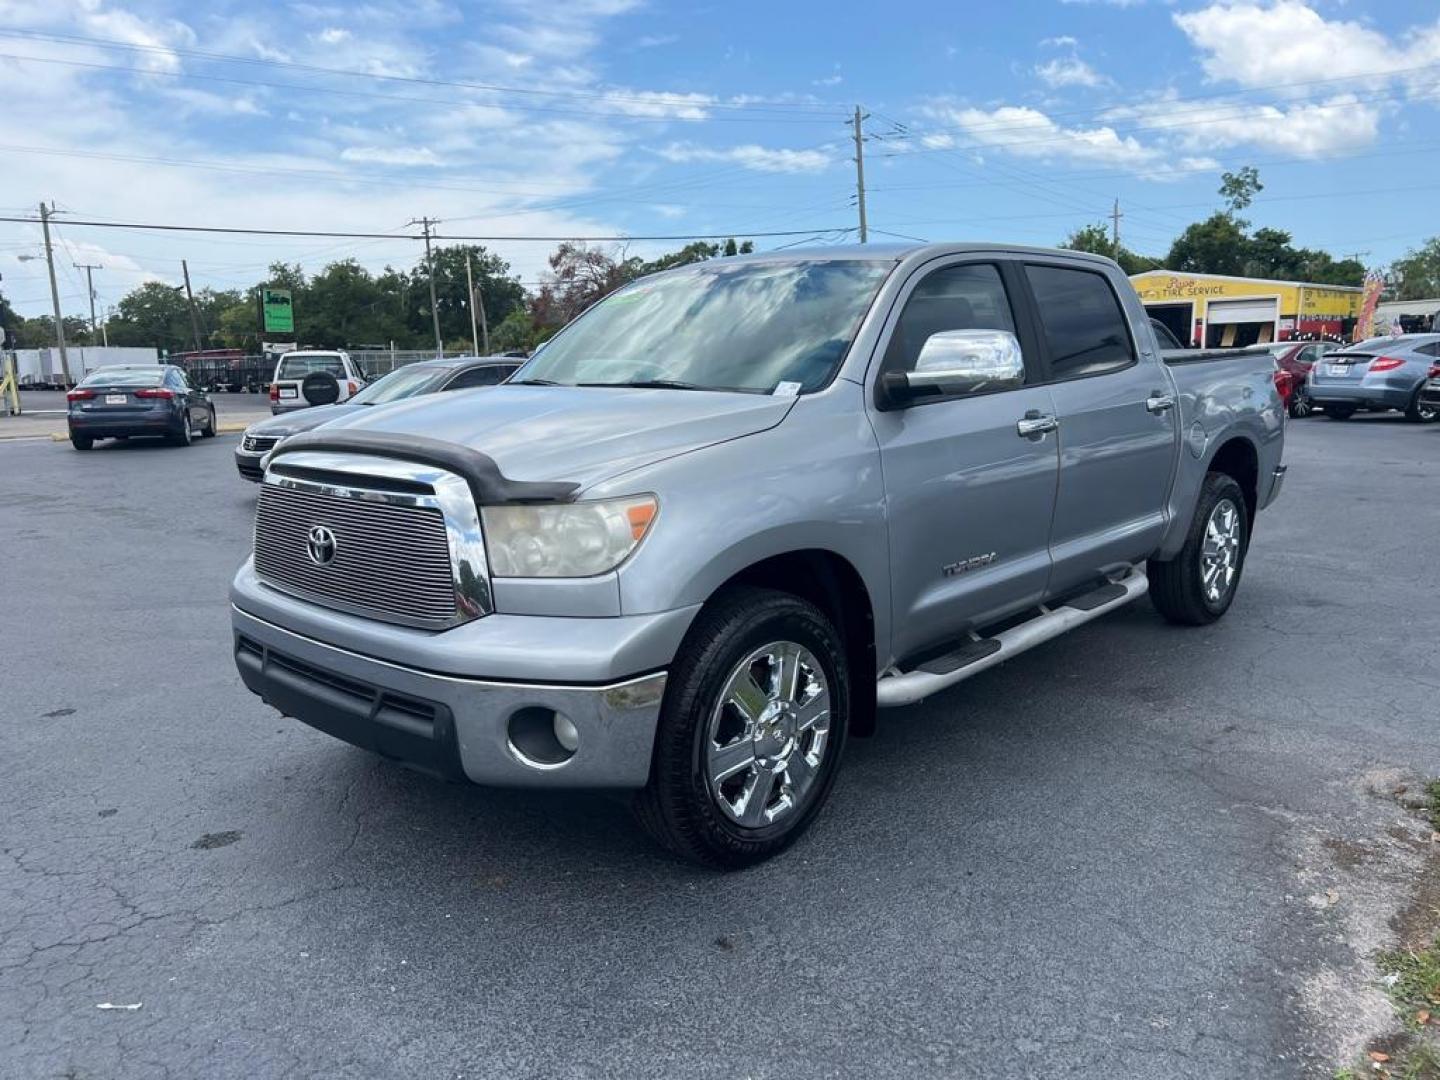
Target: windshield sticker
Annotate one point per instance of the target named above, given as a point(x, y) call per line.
point(786, 389)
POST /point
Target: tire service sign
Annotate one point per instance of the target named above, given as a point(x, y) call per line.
point(278, 311)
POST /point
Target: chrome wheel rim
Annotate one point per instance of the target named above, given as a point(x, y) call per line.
point(767, 736)
point(1300, 407)
point(1220, 554)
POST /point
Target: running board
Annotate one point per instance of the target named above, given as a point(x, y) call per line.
point(982, 653)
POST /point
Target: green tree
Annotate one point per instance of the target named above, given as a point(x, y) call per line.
point(1096, 239)
point(1417, 275)
point(1217, 245)
point(500, 291)
point(155, 315)
point(1240, 188)
point(517, 332)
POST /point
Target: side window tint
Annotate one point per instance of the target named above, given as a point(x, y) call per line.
point(480, 376)
point(1084, 325)
point(1433, 349)
point(968, 297)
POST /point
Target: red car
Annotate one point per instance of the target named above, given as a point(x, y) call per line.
point(1296, 358)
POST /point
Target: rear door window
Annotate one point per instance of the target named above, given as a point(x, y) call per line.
point(297, 367)
point(478, 376)
point(1084, 327)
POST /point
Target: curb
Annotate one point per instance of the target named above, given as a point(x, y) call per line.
point(62, 436)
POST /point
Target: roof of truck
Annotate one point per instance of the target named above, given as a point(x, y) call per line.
point(891, 252)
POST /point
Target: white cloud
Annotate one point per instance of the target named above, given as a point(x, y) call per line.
point(828, 80)
point(750, 156)
point(393, 155)
point(1306, 129)
point(1288, 41)
point(333, 35)
point(1027, 132)
point(1069, 71)
point(669, 210)
point(1064, 41)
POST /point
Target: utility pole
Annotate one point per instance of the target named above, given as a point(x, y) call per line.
point(470, 287)
point(54, 294)
point(1115, 216)
point(426, 223)
point(89, 268)
point(860, 173)
point(190, 299)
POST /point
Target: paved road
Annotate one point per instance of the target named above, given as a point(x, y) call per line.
point(42, 413)
point(1098, 860)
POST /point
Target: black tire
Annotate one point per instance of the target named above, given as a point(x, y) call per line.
point(81, 442)
point(1420, 414)
point(181, 436)
point(1339, 412)
point(1176, 587)
point(208, 431)
point(677, 806)
point(320, 388)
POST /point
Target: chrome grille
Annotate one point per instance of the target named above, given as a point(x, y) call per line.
point(259, 443)
point(391, 560)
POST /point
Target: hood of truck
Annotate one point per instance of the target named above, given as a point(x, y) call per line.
point(572, 433)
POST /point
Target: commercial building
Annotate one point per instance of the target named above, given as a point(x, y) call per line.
point(1219, 311)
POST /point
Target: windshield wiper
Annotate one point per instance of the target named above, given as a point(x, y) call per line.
point(650, 384)
point(532, 382)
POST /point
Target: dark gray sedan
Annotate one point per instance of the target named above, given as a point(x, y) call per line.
point(1381, 373)
point(424, 377)
point(122, 400)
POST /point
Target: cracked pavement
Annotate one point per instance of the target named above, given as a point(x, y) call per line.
point(1100, 859)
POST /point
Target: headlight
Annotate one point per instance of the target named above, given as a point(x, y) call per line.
point(567, 540)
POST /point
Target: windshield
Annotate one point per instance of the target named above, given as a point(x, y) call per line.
point(748, 326)
point(297, 367)
point(401, 383)
point(131, 377)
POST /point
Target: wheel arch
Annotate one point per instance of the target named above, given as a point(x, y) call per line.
point(1239, 459)
point(832, 583)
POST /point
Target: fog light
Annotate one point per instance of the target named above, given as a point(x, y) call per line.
point(565, 733)
point(541, 738)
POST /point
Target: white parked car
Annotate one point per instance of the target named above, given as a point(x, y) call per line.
point(309, 377)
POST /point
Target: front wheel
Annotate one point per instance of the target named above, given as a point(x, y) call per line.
point(1197, 586)
point(751, 730)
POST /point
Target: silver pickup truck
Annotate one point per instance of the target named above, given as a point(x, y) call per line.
point(735, 509)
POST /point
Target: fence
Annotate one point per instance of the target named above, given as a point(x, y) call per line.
point(375, 362)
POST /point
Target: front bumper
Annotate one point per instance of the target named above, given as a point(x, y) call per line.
point(248, 464)
point(459, 728)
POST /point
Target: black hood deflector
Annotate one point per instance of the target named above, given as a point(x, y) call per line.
point(488, 485)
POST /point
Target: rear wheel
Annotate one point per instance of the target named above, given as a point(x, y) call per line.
point(1300, 404)
point(81, 442)
point(181, 437)
point(1197, 586)
point(1339, 412)
point(751, 731)
point(1419, 413)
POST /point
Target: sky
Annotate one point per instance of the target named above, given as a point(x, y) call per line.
point(1016, 122)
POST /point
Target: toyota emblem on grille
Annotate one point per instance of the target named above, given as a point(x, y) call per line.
point(320, 545)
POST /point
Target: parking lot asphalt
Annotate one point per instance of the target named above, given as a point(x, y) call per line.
point(1137, 851)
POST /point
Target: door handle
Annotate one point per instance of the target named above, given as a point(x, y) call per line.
point(1034, 424)
point(1158, 403)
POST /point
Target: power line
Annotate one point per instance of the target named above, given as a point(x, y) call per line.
point(671, 118)
point(236, 230)
point(661, 99)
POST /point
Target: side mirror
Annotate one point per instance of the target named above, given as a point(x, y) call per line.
point(959, 362)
